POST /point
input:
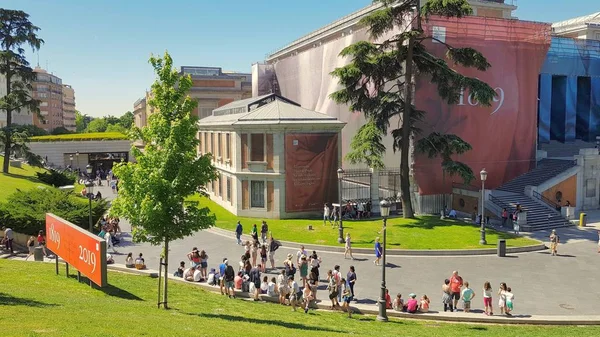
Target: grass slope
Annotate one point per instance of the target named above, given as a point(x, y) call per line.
point(426, 232)
point(23, 178)
point(80, 136)
point(49, 305)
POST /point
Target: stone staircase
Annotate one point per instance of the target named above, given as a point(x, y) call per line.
point(546, 169)
point(540, 215)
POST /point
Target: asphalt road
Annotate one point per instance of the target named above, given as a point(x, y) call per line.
point(542, 284)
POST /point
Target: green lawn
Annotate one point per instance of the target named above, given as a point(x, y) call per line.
point(427, 232)
point(23, 178)
point(80, 136)
point(49, 305)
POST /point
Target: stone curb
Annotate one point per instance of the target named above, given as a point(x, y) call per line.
point(456, 317)
point(403, 252)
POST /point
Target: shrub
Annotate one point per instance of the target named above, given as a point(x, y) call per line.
point(57, 178)
point(25, 211)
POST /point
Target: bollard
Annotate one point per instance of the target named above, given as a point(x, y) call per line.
point(501, 248)
point(582, 220)
point(38, 254)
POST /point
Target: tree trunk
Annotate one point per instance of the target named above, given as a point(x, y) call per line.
point(166, 273)
point(407, 209)
point(8, 131)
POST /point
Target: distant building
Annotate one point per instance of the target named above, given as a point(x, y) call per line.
point(48, 89)
point(274, 158)
point(212, 88)
point(68, 105)
point(22, 117)
point(584, 27)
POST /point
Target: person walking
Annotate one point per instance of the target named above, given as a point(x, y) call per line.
point(504, 217)
point(554, 241)
point(238, 233)
point(348, 247)
point(8, 238)
point(30, 247)
point(351, 279)
point(273, 246)
point(303, 266)
point(229, 277)
point(254, 233)
point(264, 230)
point(378, 251)
point(326, 215)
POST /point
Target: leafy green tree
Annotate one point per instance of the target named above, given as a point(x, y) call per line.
point(31, 130)
point(81, 121)
point(16, 32)
point(97, 125)
point(126, 121)
point(379, 83)
point(116, 128)
point(18, 147)
point(153, 191)
point(61, 130)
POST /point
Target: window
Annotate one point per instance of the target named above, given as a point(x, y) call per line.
point(257, 143)
point(257, 192)
point(598, 36)
point(220, 182)
point(228, 146)
point(219, 154)
point(228, 192)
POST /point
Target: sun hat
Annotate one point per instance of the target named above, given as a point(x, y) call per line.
point(289, 256)
point(412, 295)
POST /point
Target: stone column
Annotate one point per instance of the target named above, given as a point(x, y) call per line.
point(374, 191)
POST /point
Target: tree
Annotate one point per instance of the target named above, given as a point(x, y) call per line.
point(126, 121)
point(379, 83)
point(81, 121)
point(18, 147)
point(153, 191)
point(97, 125)
point(116, 128)
point(61, 130)
point(16, 32)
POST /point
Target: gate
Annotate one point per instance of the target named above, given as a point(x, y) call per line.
point(356, 186)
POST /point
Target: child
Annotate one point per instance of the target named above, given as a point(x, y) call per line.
point(487, 298)
point(554, 241)
point(502, 298)
point(398, 303)
point(424, 305)
point(346, 297)
point(308, 296)
point(467, 295)
point(509, 301)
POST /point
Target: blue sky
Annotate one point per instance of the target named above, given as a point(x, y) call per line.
point(101, 47)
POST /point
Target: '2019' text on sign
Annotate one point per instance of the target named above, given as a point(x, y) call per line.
point(79, 248)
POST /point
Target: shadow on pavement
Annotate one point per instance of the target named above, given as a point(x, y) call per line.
point(366, 301)
point(6, 299)
point(269, 322)
point(568, 234)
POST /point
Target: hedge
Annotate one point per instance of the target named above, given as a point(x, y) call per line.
point(25, 211)
point(80, 136)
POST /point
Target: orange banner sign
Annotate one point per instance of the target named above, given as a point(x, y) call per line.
point(79, 248)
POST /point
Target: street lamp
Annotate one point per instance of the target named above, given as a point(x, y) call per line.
point(483, 176)
point(77, 158)
point(89, 186)
point(384, 206)
point(340, 175)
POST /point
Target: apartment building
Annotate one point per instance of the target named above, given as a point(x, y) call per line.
point(48, 89)
point(22, 117)
point(68, 105)
point(140, 112)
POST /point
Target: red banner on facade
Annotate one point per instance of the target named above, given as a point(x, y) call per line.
point(503, 136)
point(311, 163)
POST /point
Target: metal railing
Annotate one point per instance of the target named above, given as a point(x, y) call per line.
point(501, 204)
point(546, 200)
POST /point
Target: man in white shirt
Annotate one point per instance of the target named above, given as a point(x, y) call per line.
point(326, 214)
point(8, 239)
point(299, 254)
point(295, 294)
point(360, 208)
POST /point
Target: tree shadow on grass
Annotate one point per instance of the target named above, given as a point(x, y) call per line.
point(6, 299)
point(33, 179)
point(268, 322)
point(111, 290)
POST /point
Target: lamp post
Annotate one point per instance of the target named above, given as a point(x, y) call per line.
point(89, 186)
point(340, 175)
point(384, 206)
point(77, 158)
point(483, 176)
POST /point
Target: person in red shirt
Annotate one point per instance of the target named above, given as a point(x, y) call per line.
point(456, 282)
point(388, 300)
